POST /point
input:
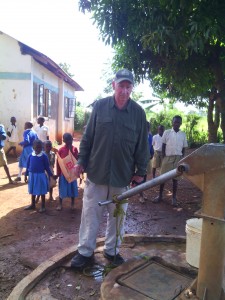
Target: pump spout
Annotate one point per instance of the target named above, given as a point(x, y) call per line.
point(149, 184)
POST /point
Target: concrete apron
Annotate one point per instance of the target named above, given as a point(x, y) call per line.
point(145, 255)
point(149, 277)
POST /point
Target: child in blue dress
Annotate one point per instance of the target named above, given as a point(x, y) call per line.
point(29, 136)
point(38, 183)
point(67, 189)
point(51, 158)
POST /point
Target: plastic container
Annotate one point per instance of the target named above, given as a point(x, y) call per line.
point(193, 241)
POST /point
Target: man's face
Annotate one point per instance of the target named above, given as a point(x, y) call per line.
point(176, 124)
point(122, 91)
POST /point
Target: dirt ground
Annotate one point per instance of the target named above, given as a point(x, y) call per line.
point(27, 238)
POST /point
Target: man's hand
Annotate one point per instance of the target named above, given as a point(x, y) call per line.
point(78, 169)
point(136, 180)
point(25, 178)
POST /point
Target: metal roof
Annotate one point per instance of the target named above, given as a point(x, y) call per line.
point(49, 64)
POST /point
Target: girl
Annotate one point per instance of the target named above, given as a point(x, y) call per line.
point(66, 189)
point(38, 183)
point(51, 158)
point(28, 138)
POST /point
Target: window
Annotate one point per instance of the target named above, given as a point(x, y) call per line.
point(48, 102)
point(41, 100)
point(44, 102)
point(70, 107)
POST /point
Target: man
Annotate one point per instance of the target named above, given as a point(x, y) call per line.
point(174, 142)
point(157, 145)
point(3, 161)
point(113, 152)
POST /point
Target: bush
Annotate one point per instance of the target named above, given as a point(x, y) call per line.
point(81, 118)
point(195, 137)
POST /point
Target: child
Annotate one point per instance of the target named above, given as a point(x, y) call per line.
point(157, 145)
point(28, 138)
point(38, 183)
point(12, 133)
point(3, 161)
point(67, 189)
point(42, 130)
point(51, 159)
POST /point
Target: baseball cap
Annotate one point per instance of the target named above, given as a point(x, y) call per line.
point(123, 75)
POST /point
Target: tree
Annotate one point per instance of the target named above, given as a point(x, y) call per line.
point(179, 46)
point(66, 68)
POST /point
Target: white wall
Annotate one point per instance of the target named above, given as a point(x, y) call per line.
point(15, 83)
point(17, 72)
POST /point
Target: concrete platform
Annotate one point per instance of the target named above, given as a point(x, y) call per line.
point(138, 250)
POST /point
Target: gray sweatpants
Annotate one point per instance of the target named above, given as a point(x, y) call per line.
point(92, 215)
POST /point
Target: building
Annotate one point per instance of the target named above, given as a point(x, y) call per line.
point(33, 85)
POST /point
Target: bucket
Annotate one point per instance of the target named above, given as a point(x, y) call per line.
point(193, 241)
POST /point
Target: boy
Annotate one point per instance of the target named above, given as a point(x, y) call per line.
point(157, 145)
point(12, 133)
point(174, 142)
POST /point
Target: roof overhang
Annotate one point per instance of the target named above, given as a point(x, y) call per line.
point(49, 64)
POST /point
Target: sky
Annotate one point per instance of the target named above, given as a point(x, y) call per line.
point(60, 31)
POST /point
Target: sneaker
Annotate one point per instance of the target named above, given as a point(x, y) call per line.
point(116, 260)
point(17, 179)
point(79, 261)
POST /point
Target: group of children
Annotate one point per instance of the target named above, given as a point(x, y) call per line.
point(40, 167)
point(39, 160)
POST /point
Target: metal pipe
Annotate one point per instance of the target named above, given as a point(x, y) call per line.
point(147, 185)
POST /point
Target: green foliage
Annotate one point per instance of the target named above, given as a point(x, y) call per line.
point(162, 118)
point(196, 135)
point(190, 125)
point(66, 68)
point(81, 118)
point(179, 46)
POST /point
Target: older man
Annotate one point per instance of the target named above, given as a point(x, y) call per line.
point(113, 152)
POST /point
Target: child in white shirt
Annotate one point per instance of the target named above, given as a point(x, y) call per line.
point(12, 133)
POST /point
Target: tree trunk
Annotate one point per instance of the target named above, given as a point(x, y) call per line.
point(216, 67)
point(222, 97)
point(213, 123)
